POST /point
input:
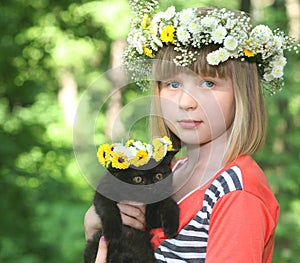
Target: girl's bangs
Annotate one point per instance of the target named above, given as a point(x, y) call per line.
point(164, 67)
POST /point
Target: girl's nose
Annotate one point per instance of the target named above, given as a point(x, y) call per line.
point(187, 101)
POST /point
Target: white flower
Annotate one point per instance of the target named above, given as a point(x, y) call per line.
point(133, 150)
point(149, 148)
point(218, 34)
point(268, 77)
point(230, 23)
point(262, 32)
point(182, 34)
point(281, 61)
point(195, 26)
point(278, 61)
point(157, 17)
point(209, 22)
point(119, 148)
point(230, 43)
point(139, 145)
point(222, 54)
point(212, 58)
point(137, 42)
point(169, 13)
point(157, 41)
point(186, 16)
point(277, 72)
point(277, 42)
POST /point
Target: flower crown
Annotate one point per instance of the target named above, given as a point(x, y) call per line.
point(194, 29)
point(133, 153)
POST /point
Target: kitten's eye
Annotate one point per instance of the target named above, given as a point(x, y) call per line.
point(158, 177)
point(137, 180)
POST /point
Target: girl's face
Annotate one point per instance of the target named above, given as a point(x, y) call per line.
point(197, 109)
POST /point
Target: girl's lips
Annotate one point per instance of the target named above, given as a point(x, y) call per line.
point(189, 124)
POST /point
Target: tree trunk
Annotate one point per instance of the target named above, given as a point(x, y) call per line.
point(293, 11)
point(67, 97)
point(245, 5)
point(114, 127)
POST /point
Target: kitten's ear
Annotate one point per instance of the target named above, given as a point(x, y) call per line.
point(169, 156)
point(112, 170)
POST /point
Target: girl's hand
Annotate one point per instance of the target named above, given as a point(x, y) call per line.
point(92, 223)
point(133, 214)
point(102, 251)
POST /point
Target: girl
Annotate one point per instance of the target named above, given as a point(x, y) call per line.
point(209, 70)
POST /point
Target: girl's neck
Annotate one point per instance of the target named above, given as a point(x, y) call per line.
point(203, 164)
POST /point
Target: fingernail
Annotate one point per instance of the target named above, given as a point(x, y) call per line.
point(103, 238)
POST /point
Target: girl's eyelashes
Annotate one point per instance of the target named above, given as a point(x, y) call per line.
point(172, 84)
point(207, 84)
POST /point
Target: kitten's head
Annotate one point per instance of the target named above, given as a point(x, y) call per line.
point(137, 171)
point(150, 173)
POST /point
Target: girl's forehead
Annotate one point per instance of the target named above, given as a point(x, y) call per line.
point(168, 70)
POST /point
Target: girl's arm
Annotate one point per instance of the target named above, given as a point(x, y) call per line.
point(92, 223)
point(133, 214)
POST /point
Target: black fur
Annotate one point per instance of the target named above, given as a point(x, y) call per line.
point(127, 244)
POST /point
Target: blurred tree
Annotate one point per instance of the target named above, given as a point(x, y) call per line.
point(51, 54)
point(48, 50)
point(280, 157)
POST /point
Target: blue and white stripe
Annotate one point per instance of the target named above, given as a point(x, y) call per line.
point(191, 242)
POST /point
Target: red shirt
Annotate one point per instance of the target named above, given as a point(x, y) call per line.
point(241, 223)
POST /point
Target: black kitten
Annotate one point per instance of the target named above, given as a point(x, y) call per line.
point(153, 185)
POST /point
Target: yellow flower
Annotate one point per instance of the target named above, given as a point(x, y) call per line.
point(119, 160)
point(159, 150)
point(170, 145)
point(129, 143)
point(151, 29)
point(103, 154)
point(144, 21)
point(248, 53)
point(167, 34)
point(148, 52)
point(140, 159)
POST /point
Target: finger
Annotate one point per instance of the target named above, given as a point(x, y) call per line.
point(133, 222)
point(133, 215)
point(133, 210)
point(102, 251)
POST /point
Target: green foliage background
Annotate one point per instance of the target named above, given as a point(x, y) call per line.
point(43, 195)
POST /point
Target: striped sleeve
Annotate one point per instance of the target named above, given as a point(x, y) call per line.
point(190, 244)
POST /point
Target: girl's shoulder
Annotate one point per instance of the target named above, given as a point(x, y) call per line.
point(250, 175)
point(243, 174)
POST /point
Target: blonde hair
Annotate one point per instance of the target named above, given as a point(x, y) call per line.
point(249, 125)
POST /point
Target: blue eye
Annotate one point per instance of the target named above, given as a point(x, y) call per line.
point(174, 85)
point(208, 84)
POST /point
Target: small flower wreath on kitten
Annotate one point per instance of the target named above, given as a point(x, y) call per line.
point(133, 153)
